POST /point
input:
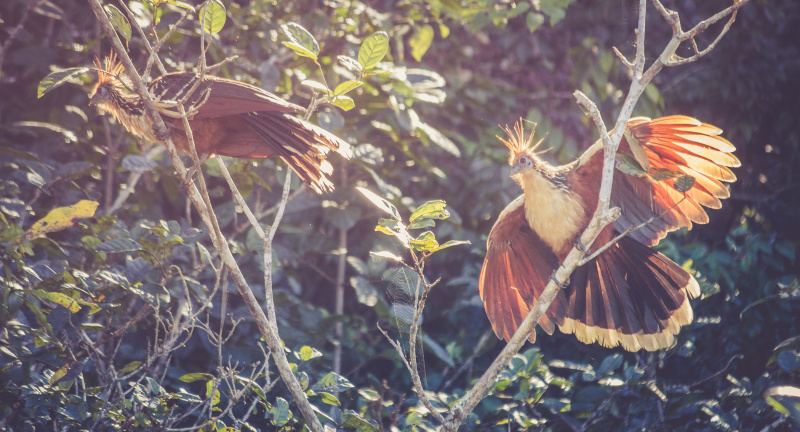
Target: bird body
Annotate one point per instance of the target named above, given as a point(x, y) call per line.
point(628, 295)
point(227, 118)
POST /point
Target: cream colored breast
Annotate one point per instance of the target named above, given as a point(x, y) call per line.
point(554, 214)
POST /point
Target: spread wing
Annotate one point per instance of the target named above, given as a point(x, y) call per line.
point(676, 143)
point(516, 270)
point(215, 96)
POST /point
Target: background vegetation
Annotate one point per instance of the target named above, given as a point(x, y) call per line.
point(120, 322)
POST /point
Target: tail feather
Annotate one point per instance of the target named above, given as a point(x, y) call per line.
point(631, 296)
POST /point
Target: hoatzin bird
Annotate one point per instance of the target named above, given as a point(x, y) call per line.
point(227, 118)
point(629, 294)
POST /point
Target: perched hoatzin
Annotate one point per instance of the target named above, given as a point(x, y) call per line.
point(628, 295)
point(227, 118)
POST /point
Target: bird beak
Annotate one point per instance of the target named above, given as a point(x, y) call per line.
point(516, 168)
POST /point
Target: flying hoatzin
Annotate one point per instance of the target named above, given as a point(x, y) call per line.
point(628, 295)
point(227, 118)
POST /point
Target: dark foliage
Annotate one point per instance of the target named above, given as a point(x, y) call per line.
point(114, 323)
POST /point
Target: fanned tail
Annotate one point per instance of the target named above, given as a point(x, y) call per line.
point(629, 295)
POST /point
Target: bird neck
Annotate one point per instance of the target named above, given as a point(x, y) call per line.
point(553, 211)
point(128, 109)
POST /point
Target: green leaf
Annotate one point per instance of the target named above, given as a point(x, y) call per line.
point(130, 367)
point(301, 41)
point(628, 165)
point(610, 364)
point(213, 16)
point(59, 298)
point(451, 243)
point(425, 242)
point(386, 255)
point(534, 20)
point(351, 64)
point(421, 41)
point(119, 21)
point(373, 49)
point(684, 183)
point(55, 79)
point(355, 421)
point(316, 85)
point(422, 223)
point(192, 377)
point(120, 245)
point(183, 395)
point(346, 86)
point(346, 103)
point(439, 139)
point(434, 209)
point(307, 353)
point(332, 382)
point(181, 4)
point(215, 395)
point(329, 399)
point(785, 399)
point(367, 294)
point(380, 202)
point(438, 350)
point(637, 150)
point(280, 412)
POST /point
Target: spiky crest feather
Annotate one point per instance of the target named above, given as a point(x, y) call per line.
point(109, 71)
point(519, 145)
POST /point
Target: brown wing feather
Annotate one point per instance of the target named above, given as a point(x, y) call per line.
point(516, 270)
point(676, 143)
point(216, 97)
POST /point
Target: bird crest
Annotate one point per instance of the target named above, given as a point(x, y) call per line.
point(109, 71)
point(518, 144)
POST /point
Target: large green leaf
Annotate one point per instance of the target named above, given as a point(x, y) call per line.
point(300, 41)
point(119, 21)
point(421, 41)
point(55, 79)
point(213, 16)
point(373, 49)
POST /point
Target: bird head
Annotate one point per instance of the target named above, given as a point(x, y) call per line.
point(522, 154)
point(108, 83)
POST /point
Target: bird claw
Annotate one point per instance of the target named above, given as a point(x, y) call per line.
point(553, 278)
point(163, 136)
point(580, 246)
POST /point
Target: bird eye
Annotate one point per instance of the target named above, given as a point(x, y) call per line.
point(103, 91)
point(523, 160)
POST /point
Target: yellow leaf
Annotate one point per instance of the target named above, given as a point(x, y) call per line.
point(59, 219)
point(56, 297)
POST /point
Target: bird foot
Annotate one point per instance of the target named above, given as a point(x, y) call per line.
point(166, 133)
point(188, 180)
point(580, 246)
point(553, 278)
